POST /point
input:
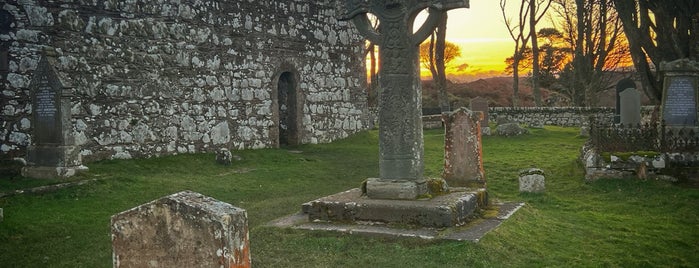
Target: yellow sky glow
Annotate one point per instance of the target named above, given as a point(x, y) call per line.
point(481, 33)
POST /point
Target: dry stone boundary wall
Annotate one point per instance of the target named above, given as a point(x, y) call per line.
point(160, 77)
point(559, 116)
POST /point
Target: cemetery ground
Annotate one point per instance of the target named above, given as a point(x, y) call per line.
point(617, 223)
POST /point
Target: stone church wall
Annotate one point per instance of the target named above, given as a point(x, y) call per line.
point(160, 77)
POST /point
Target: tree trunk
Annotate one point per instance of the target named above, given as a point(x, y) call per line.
point(441, 80)
point(535, 54)
point(515, 77)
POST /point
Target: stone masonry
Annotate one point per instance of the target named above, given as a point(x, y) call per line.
point(182, 76)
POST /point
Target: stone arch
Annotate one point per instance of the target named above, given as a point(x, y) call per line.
point(287, 102)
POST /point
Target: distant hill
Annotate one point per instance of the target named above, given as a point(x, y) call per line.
point(498, 90)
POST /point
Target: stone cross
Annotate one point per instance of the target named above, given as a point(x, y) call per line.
point(400, 127)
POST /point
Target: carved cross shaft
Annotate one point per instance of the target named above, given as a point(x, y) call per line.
point(400, 123)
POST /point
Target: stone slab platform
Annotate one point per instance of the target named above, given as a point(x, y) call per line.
point(447, 210)
point(473, 231)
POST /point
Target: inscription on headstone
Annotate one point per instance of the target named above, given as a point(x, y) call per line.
point(681, 101)
point(46, 101)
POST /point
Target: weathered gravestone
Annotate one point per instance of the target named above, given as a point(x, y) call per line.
point(681, 82)
point(622, 85)
point(630, 104)
point(479, 104)
point(463, 153)
point(53, 153)
point(532, 180)
point(185, 229)
point(400, 128)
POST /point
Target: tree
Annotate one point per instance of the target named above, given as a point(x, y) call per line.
point(521, 34)
point(658, 31)
point(534, 8)
point(593, 32)
point(435, 55)
point(554, 55)
point(371, 50)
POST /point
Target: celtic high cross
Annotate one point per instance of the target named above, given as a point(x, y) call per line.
point(400, 125)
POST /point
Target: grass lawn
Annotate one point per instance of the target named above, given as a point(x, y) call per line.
point(615, 223)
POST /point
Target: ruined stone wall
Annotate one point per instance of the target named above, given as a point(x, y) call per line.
point(157, 77)
point(559, 116)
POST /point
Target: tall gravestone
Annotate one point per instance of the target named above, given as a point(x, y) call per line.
point(463, 153)
point(630, 107)
point(622, 85)
point(185, 229)
point(53, 153)
point(680, 86)
point(400, 128)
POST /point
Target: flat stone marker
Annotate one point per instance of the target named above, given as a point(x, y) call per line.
point(463, 152)
point(53, 153)
point(630, 104)
point(185, 229)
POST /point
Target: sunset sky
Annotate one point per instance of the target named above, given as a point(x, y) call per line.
point(481, 33)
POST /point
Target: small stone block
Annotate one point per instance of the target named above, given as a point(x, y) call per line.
point(395, 189)
point(185, 229)
point(532, 184)
point(2, 216)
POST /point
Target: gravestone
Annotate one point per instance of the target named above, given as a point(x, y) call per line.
point(622, 85)
point(185, 229)
point(53, 153)
point(463, 153)
point(401, 153)
point(479, 104)
point(680, 85)
point(630, 104)
point(532, 180)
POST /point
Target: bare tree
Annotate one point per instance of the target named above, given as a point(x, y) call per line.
point(535, 8)
point(594, 34)
point(521, 35)
point(658, 31)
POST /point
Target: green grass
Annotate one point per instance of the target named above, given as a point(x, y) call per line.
point(614, 223)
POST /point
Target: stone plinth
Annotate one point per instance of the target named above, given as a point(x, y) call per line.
point(185, 229)
point(451, 209)
point(463, 153)
point(532, 181)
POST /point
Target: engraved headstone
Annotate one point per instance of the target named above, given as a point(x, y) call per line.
point(680, 85)
point(185, 229)
point(53, 153)
point(622, 85)
point(630, 104)
point(400, 128)
point(463, 153)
